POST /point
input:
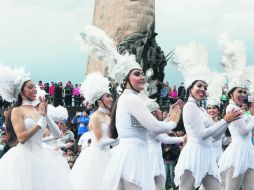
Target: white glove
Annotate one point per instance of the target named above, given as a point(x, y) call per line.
point(105, 142)
point(42, 123)
point(53, 127)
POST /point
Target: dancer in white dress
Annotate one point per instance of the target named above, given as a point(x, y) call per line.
point(197, 163)
point(154, 144)
point(237, 162)
point(129, 165)
point(27, 166)
point(52, 134)
point(89, 168)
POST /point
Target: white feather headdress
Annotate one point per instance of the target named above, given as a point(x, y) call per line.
point(94, 86)
point(11, 82)
point(103, 48)
point(233, 60)
point(58, 114)
point(150, 103)
point(191, 61)
point(214, 90)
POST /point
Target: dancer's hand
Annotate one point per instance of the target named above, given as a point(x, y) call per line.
point(174, 114)
point(233, 115)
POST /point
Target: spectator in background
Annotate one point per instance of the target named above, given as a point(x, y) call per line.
point(170, 154)
point(164, 93)
point(68, 94)
point(173, 95)
point(51, 92)
point(40, 84)
point(82, 123)
point(181, 92)
point(4, 147)
point(46, 88)
point(67, 136)
point(76, 95)
point(58, 95)
point(2, 125)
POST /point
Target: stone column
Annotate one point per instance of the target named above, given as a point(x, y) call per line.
point(120, 18)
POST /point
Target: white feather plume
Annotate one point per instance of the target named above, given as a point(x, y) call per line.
point(233, 59)
point(191, 61)
point(11, 81)
point(94, 86)
point(58, 114)
point(104, 49)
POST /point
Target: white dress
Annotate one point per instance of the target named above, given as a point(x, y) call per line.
point(52, 146)
point(28, 166)
point(197, 155)
point(89, 168)
point(130, 159)
point(240, 153)
point(155, 152)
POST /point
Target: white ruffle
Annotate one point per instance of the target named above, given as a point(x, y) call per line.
point(23, 169)
point(89, 168)
point(156, 159)
point(198, 159)
point(130, 161)
point(239, 156)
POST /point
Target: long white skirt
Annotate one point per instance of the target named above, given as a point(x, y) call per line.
point(25, 169)
point(129, 161)
point(89, 168)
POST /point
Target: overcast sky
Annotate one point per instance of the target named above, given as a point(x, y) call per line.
point(40, 34)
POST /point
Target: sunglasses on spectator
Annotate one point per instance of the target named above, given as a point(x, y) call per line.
point(138, 73)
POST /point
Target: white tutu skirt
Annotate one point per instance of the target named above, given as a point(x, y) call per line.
point(89, 168)
point(23, 169)
point(57, 156)
point(156, 160)
point(130, 162)
point(217, 153)
point(198, 159)
point(239, 156)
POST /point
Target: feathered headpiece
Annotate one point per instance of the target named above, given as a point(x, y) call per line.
point(214, 90)
point(58, 114)
point(40, 93)
point(233, 60)
point(11, 82)
point(191, 61)
point(94, 86)
point(103, 48)
point(151, 104)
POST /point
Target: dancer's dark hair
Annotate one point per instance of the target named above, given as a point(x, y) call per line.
point(9, 127)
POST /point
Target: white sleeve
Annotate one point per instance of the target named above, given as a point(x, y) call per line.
point(165, 139)
point(53, 127)
point(243, 127)
point(137, 109)
point(192, 116)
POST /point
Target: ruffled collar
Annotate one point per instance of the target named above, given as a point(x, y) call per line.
point(191, 99)
point(27, 103)
point(130, 91)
